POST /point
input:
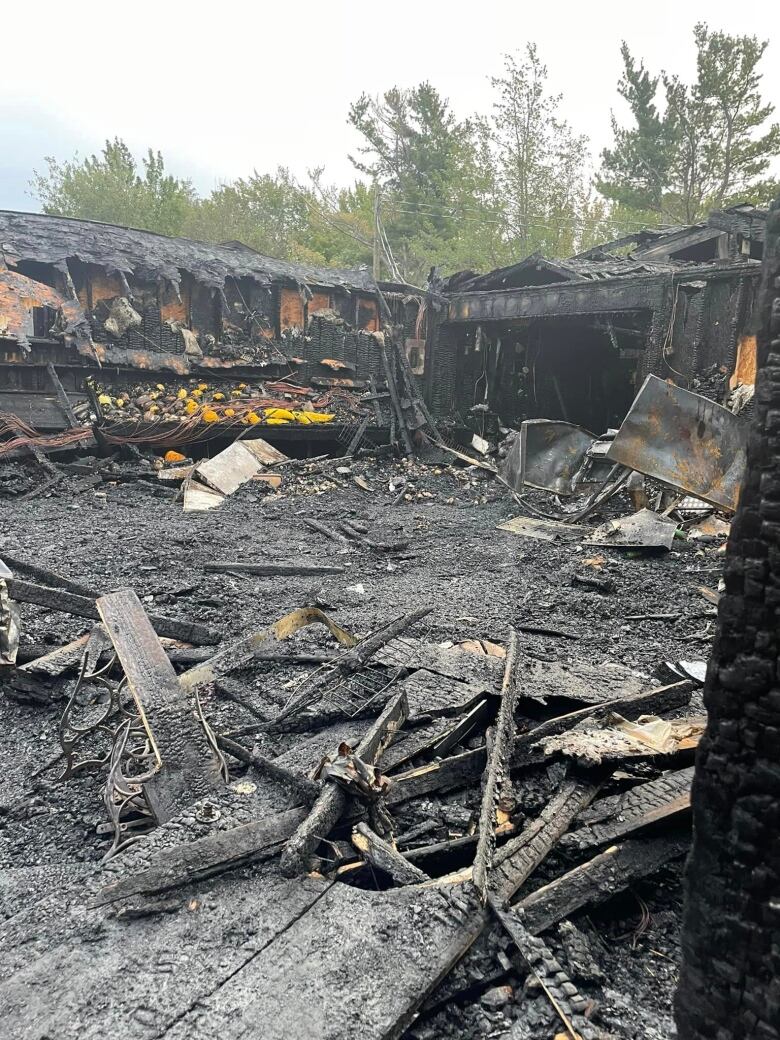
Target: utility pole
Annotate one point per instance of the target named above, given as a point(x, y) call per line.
point(376, 267)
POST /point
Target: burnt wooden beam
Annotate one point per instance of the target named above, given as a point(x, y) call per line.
point(598, 879)
point(640, 807)
point(207, 856)
point(81, 606)
point(625, 294)
point(330, 804)
point(244, 650)
point(59, 660)
point(392, 389)
point(350, 662)
point(62, 397)
point(188, 767)
point(48, 578)
point(303, 788)
point(497, 770)
point(329, 532)
point(515, 862)
point(382, 855)
point(272, 569)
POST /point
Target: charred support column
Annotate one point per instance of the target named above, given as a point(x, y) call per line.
point(730, 980)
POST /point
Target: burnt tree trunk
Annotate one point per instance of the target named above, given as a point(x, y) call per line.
point(730, 980)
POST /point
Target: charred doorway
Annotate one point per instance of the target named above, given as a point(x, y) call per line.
point(584, 369)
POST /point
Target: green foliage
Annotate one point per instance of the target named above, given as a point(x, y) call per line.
point(473, 193)
point(711, 144)
point(541, 164)
point(110, 188)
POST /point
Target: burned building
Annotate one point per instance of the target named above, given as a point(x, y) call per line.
point(574, 339)
point(143, 314)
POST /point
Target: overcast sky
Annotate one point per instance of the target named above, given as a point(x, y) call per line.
point(224, 88)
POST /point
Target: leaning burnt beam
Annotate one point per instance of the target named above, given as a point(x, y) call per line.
point(598, 879)
point(384, 856)
point(188, 766)
point(244, 650)
point(301, 787)
point(497, 768)
point(80, 606)
point(350, 662)
point(332, 800)
point(517, 860)
point(207, 856)
point(392, 388)
point(640, 807)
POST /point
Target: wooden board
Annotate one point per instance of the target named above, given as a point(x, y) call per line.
point(188, 767)
point(451, 662)
point(432, 694)
point(357, 963)
point(228, 470)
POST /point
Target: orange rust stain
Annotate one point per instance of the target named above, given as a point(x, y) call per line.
point(320, 301)
point(290, 309)
point(103, 287)
point(745, 368)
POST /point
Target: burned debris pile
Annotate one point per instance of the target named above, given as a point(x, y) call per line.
point(410, 829)
point(315, 681)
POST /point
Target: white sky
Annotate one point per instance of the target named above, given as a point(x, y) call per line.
point(224, 88)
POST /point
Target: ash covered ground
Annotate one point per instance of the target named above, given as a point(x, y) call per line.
point(479, 580)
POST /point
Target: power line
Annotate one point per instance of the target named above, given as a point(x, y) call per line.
point(459, 210)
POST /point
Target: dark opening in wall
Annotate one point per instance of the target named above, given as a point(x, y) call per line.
point(584, 370)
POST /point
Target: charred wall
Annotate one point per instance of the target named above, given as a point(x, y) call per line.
point(580, 351)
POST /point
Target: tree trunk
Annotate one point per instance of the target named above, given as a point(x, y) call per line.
point(730, 979)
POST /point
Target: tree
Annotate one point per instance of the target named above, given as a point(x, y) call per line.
point(429, 169)
point(266, 212)
point(110, 188)
point(541, 163)
point(711, 144)
point(635, 172)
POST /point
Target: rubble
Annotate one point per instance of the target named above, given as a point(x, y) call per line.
point(401, 728)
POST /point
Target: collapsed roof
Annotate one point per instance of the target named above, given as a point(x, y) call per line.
point(146, 254)
point(731, 233)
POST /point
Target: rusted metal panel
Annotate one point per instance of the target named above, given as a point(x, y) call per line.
point(546, 454)
point(290, 309)
point(684, 440)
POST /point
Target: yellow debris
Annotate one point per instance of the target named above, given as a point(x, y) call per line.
point(210, 415)
point(181, 394)
point(230, 411)
point(279, 413)
point(316, 417)
point(174, 456)
point(219, 397)
point(191, 407)
point(104, 399)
